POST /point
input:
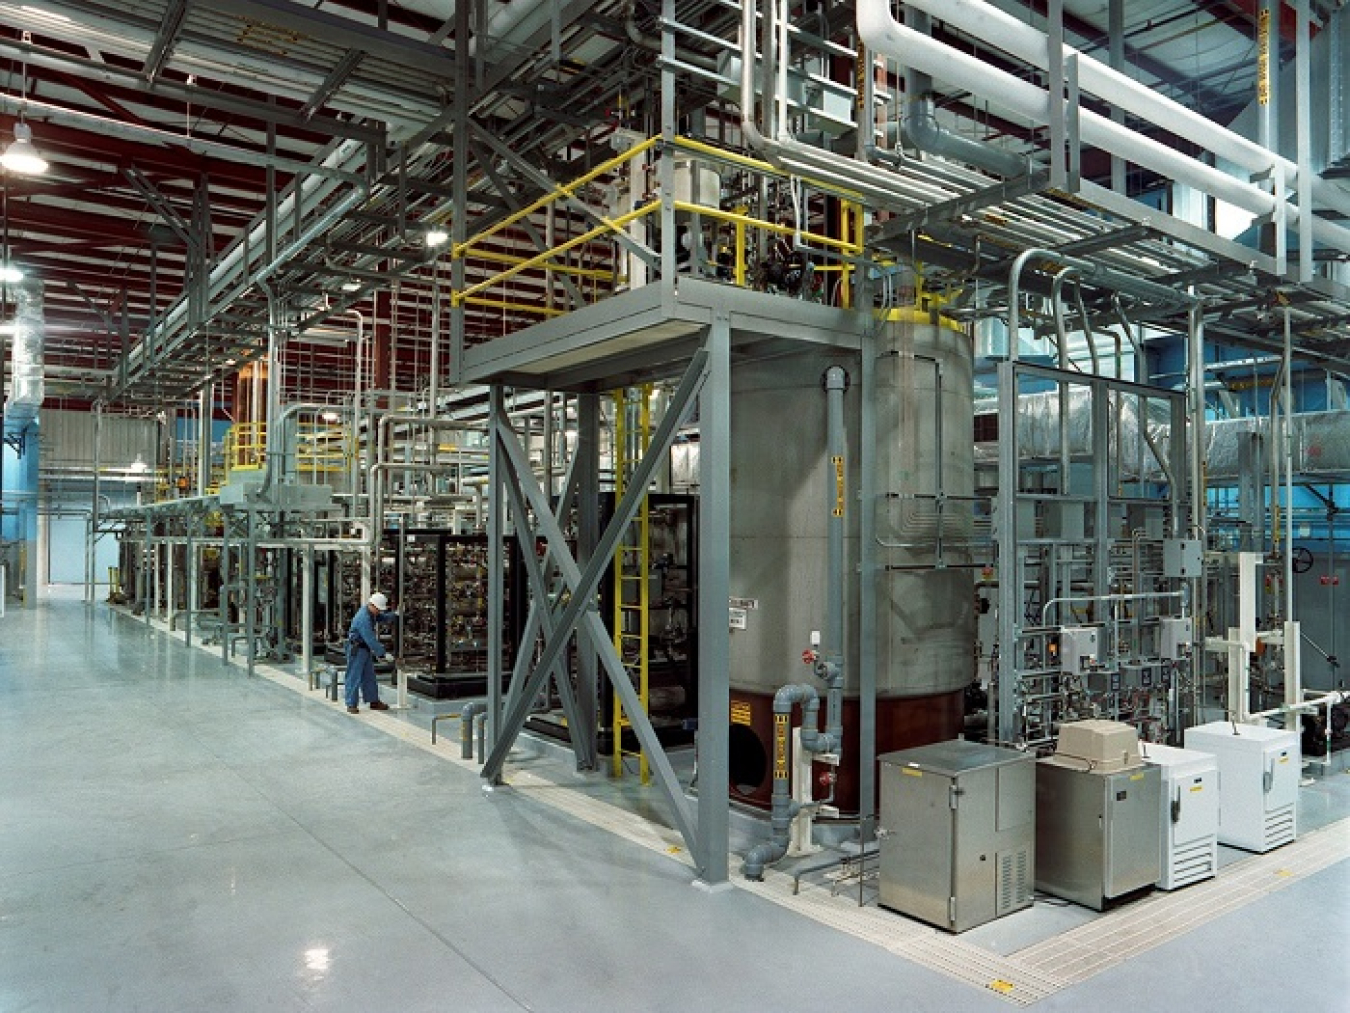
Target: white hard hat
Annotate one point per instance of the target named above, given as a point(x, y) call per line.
point(379, 600)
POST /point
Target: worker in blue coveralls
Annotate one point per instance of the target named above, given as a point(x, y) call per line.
point(363, 647)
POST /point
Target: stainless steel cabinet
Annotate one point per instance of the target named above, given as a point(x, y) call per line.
point(958, 833)
point(1098, 836)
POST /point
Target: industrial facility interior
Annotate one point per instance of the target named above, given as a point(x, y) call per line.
point(860, 492)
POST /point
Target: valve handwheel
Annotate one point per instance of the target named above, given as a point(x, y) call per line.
point(1302, 559)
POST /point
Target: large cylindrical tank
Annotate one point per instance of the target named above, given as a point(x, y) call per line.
point(782, 497)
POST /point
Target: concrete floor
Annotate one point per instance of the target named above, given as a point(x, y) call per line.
point(177, 836)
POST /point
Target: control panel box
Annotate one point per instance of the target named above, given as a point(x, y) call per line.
point(1183, 557)
point(1175, 634)
point(1077, 649)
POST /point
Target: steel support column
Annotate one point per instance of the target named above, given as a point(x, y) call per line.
point(714, 591)
point(579, 614)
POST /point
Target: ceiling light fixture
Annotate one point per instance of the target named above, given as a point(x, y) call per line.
point(10, 275)
point(21, 157)
point(437, 236)
point(351, 286)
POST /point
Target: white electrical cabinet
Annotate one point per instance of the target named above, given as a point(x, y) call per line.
point(1190, 814)
point(1258, 780)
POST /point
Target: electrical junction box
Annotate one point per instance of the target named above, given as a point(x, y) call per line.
point(1183, 557)
point(1175, 634)
point(1190, 814)
point(1259, 769)
point(1077, 649)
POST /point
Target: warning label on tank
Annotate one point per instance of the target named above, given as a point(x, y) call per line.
point(740, 712)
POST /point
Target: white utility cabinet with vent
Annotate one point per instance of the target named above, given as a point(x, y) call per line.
point(1190, 814)
point(957, 835)
point(1258, 779)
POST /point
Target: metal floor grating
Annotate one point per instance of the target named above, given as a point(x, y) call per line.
point(1022, 978)
point(1080, 953)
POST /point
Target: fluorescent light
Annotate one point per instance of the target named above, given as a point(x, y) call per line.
point(437, 237)
point(21, 157)
point(10, 275)
point(351, 286)
point(330, 417)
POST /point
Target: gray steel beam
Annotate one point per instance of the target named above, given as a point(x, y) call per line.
point(714, 594)
point(14, 104)
point(648, 255)
point(587, 477)
point(580, 609)
point(342, 31)
point(196, 95)
point(165, 39)
point(336, 78)
point(514, 203)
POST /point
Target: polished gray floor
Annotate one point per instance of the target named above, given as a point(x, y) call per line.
point(177, 836)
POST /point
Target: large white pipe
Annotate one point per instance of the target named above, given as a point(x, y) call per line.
point(887, 36)
point(1002, 30)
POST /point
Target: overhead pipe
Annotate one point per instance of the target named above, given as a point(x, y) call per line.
point(883, 33)
point(921, 129)
point(1017, 38)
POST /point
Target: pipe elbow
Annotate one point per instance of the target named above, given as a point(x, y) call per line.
point(791, 694)
point(875, 24)
point(758, 857)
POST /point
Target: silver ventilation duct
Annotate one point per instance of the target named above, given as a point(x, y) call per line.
point(26, 385)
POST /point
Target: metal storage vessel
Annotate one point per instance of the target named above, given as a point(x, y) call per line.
point(779, 535)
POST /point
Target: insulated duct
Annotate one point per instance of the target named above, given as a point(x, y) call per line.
point(997, 28)
point(885, 35)
point(26, 386)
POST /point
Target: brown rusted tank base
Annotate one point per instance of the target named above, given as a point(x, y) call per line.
point(901, 724)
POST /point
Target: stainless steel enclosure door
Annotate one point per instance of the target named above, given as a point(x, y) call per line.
point(916, 854)
point(1133, 839)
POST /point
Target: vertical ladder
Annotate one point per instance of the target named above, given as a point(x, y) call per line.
point(632, 563)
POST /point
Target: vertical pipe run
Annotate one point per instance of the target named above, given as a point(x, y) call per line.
point(836, 382)
point(307, 613)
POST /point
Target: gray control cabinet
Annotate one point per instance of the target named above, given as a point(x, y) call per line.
point(958, 833)
point(1098, 835)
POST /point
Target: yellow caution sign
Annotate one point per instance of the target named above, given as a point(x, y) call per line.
point(740, 712)
point(780, 750)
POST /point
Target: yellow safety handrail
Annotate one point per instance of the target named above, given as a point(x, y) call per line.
point(847, 246)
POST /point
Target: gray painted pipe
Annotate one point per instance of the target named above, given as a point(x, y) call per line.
point(831, 670)
point(783, 808)
point(466, 716)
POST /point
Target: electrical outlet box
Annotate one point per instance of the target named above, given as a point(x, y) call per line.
point(1183, 557)
point(1175, 634)
point(1077, 649)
